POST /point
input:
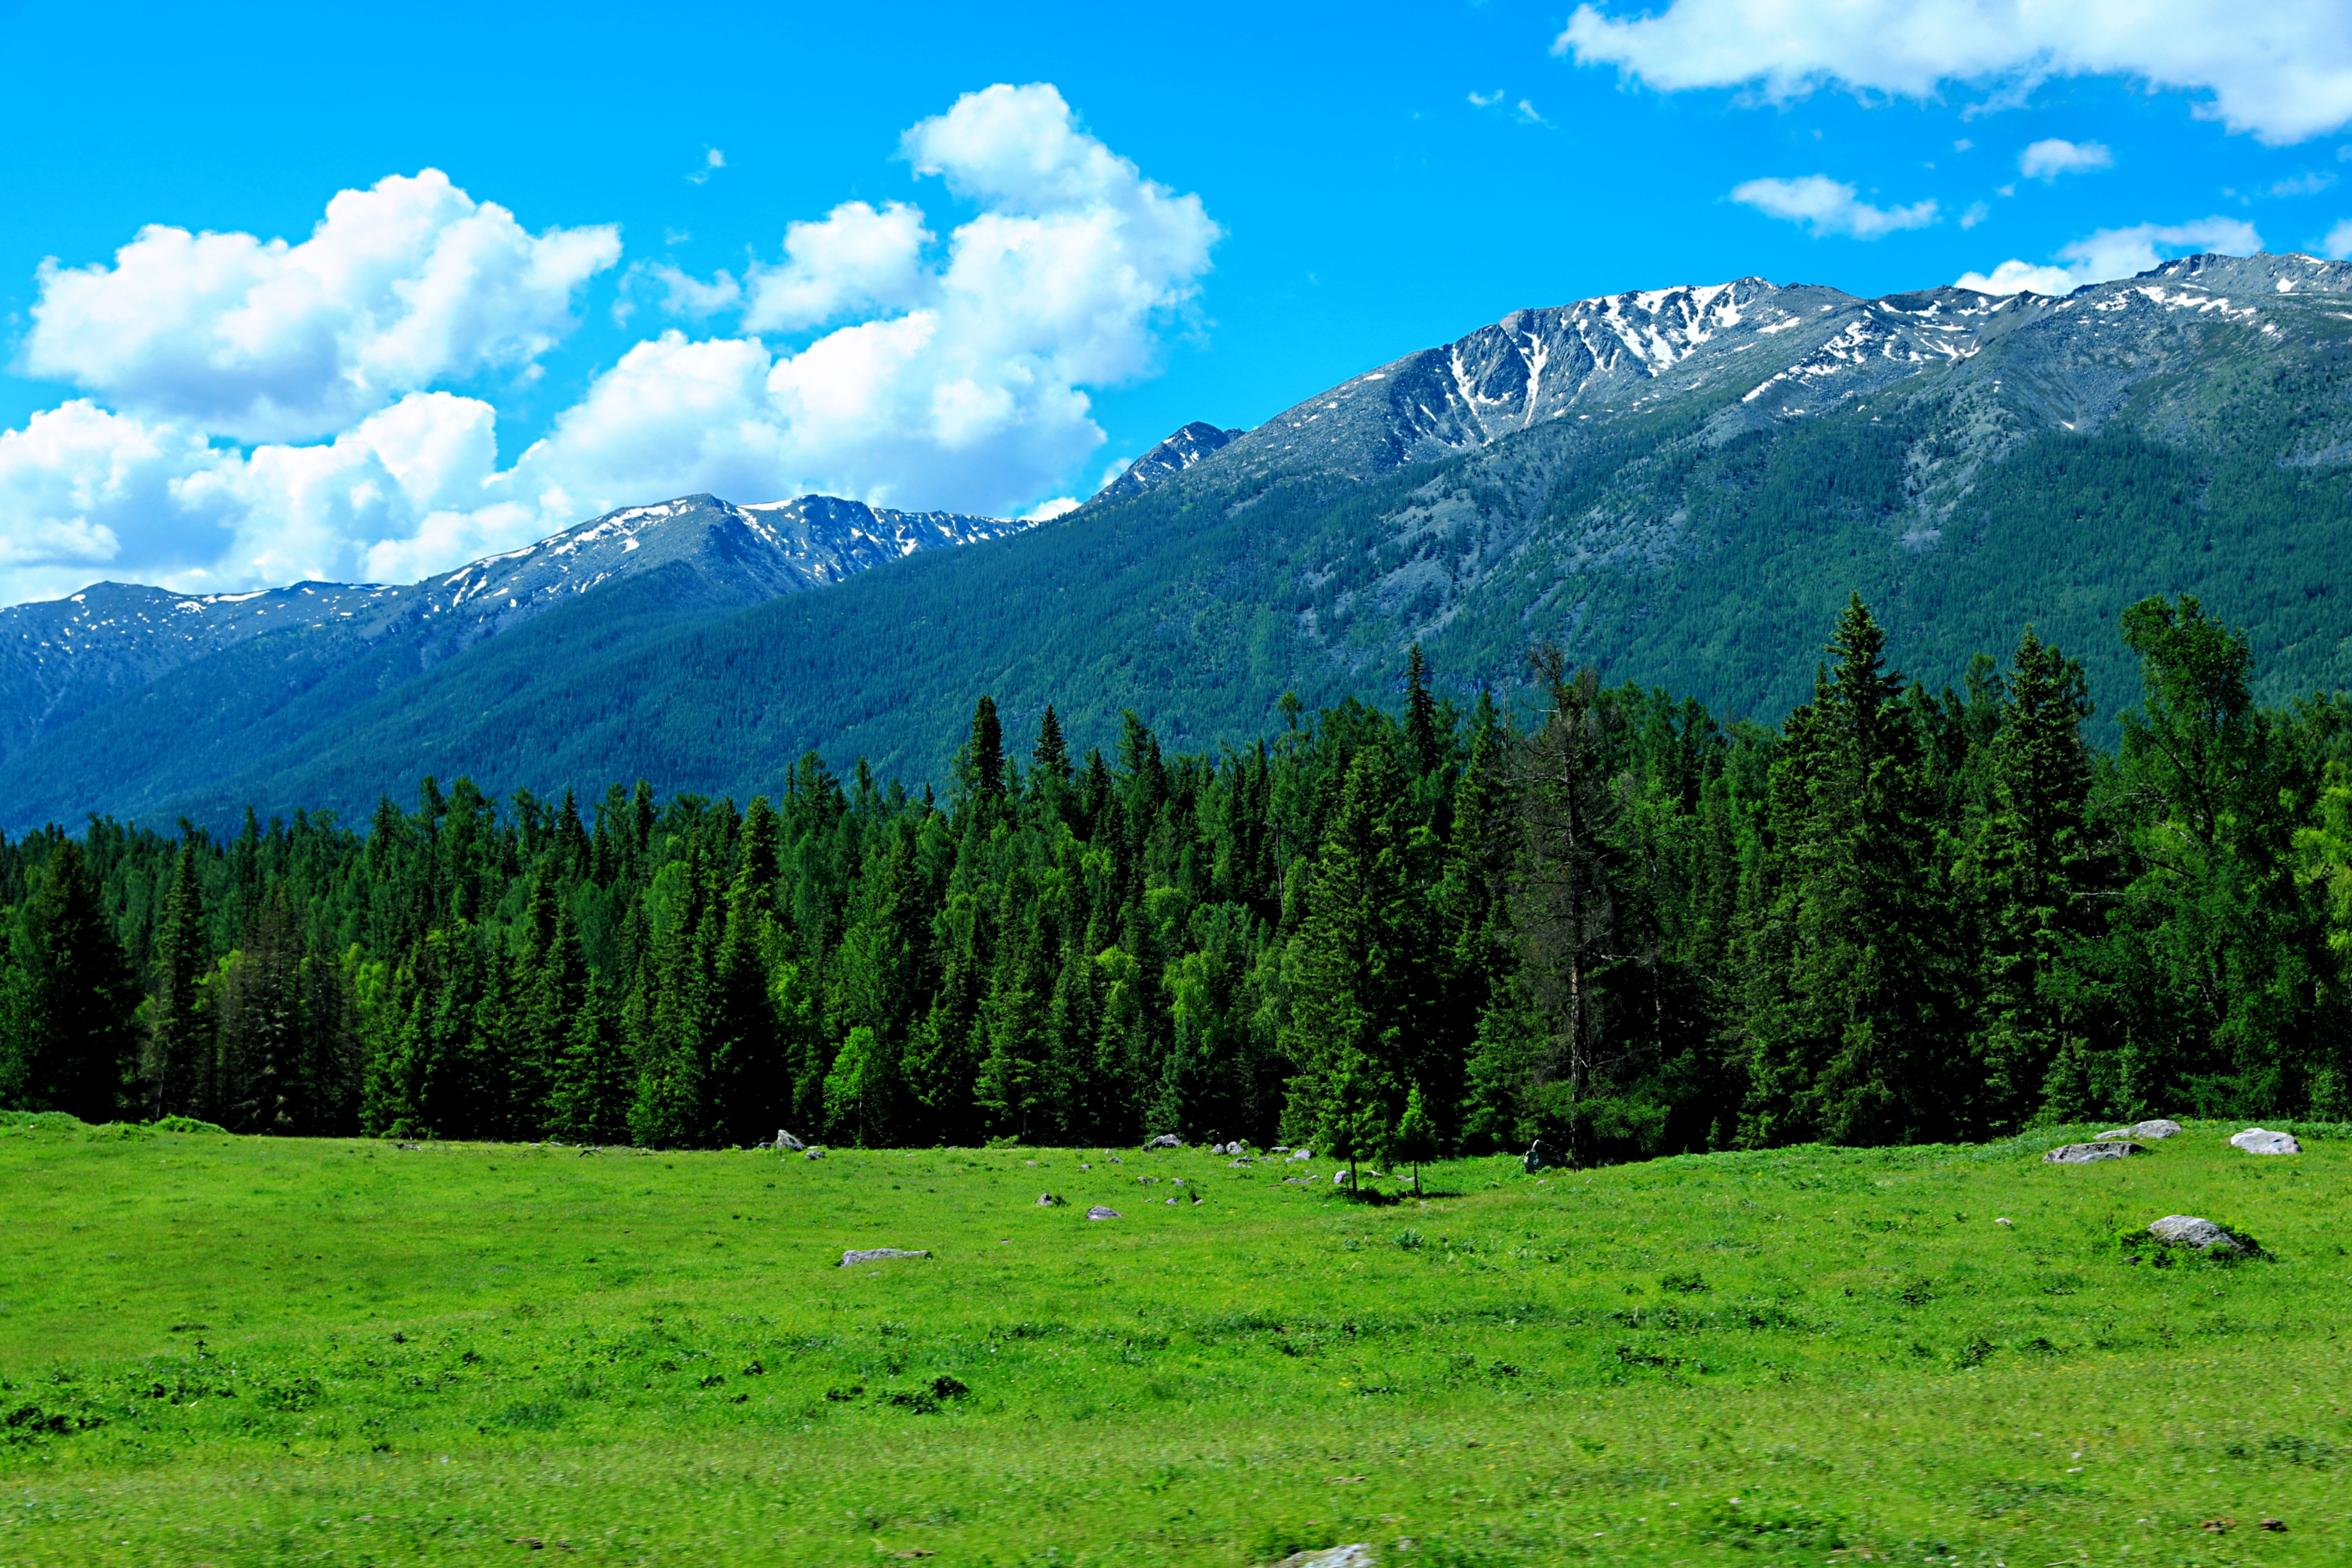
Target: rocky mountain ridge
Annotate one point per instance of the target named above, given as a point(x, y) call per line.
point(60, 659)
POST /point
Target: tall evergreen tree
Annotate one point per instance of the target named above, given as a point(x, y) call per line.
point(80, 1043)
point(180, 1051)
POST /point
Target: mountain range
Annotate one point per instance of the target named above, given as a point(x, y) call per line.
point(1679, 485)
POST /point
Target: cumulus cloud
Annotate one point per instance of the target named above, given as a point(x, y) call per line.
point(856, 260)
point(1830, 206)
point(399, 286)
point(942, 375)
point(2045, 160)
point(2337, 246)
point(2282, 70)
point(2113, 253)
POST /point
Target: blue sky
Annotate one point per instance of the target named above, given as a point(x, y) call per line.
point(1210, 213)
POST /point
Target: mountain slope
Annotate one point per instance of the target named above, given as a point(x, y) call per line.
point(122, 698)
point(1680, 487)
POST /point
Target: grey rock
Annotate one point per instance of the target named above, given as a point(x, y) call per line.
point(1341, 1179)
point(2086, 1153)
point(812, 1154)
point(2153, 1131)
point(2188, 1230)
point(1166, 1141)
point(1048, 1201)
point(2254, 1141)
point(1540, 1156)
point(1358, 1556)
point(876, 1254)
point(787, 1144)
point(1102, 1211)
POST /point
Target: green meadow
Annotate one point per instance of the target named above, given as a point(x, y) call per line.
point(225, 1351)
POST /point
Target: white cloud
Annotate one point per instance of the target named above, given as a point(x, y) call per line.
point(1060, 506)
point(2282, 70)
point(856, 260)
point(1977, 212)
point(399, 286)
point(2309, 184)
point(951, 376)
point(1830, 206)
point(713, 159)
point(1486, 99)
point(2337, 246)
point(2045, 160)
point(2113, 253)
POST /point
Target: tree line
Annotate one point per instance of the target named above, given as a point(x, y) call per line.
point(1600, 916)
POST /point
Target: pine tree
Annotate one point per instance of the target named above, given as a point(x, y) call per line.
point(1420, 737)
point(79, 1042)
point(987, 749)
point(1052, 756)
point(2035, 866)
point(1871, 968)
point(180, 1038)
point(1357, 976)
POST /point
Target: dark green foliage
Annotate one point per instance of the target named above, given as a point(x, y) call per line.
point(1625, 928)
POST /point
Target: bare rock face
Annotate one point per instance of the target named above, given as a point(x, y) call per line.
point(876, 1255)
point(2086, 1153)
point(2254, 1141)
point(2188, 1230)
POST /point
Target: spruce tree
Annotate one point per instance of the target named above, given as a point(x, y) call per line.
point(81, 1043)
point(180, 1038)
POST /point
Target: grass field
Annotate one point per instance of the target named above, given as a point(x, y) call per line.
point(234, 1351)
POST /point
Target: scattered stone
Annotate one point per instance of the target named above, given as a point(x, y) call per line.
point(2085, 1153)
point(1196, 1195)
point(2273, 1524)
point(1341, 1179)
point(788, 1144)
point(1048, 1201)
point(1540, 1156)
point(2217, 1526)
point(1101, 1212)
point(1172, 1203)
point(1297, 1182)
point(1358, 1556)
point(2153, 1132)
point(814, 1154)
point(1240, 1163)
point(875, 1255)
point(1279, 1149)
point(1166, 1141)
point(1114, 1160)
point(1302, 1154)
point(2254, 1141)
point(2003, 1219)
point(2188, 1230)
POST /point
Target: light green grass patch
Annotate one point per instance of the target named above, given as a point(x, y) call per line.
point(230, 1350)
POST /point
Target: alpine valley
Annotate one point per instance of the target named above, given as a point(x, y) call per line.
point(1678, 487)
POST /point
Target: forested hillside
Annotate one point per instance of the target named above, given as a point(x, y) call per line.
point(1629, 926)
point(1677, 487)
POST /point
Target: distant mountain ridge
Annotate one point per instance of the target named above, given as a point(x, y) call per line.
point(60, 659)
point(1679, 485)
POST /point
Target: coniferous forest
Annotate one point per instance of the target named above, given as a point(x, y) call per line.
point(1598, 915)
